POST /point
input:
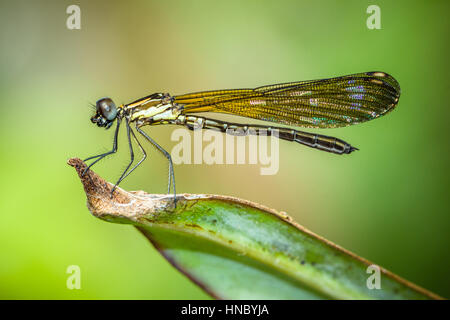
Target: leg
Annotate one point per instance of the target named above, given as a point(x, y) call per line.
point(169, 158)
point(131, 160)
point(101, 156)
point(140, 161)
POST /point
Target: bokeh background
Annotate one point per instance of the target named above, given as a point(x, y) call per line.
point(387, 202)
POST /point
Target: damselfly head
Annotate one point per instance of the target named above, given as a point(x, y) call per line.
point(106, 113)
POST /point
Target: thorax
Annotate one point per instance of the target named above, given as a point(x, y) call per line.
point(157, 108)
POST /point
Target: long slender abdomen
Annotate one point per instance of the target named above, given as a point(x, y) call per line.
point(317, 141)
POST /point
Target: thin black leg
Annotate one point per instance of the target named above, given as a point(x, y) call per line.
point(131, 156)
point(143, 153)
point(169, 158)
point(101, 156)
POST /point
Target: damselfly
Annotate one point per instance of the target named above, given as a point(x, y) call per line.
point(326, 103)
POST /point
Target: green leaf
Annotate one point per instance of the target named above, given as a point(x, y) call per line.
point(235, 249)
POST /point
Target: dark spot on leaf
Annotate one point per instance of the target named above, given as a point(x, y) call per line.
point(193, 225)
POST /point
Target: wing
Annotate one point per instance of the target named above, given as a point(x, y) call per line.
point(325, 103)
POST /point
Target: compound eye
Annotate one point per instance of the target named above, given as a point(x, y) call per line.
point(107, 108)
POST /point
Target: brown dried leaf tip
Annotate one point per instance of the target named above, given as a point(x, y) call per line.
point(121, 203)
point(94, 185)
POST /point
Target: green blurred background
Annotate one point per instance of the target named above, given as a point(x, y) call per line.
point(387, 202)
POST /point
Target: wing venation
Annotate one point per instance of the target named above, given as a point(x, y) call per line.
point(325, 103)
